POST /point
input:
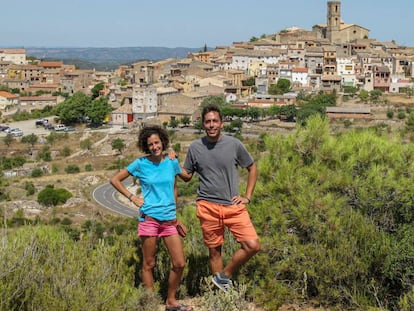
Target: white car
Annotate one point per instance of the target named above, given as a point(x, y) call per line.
point(16, 132)
point(60, 127)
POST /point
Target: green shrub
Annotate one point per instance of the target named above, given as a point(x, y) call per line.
point(401, 115)
point(7, 163)
point(36, 172)
point(327, 208)
point(30, 188)
point(72, 169)
point(390, 114)
point(45, 154)
point(43, 269)
point(66, 151)
point(55, 168)
point(50, 196)
point(66, 221)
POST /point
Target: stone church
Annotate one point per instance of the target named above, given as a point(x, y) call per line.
point(335, 30)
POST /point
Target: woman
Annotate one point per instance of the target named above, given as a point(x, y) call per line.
point(157, 176)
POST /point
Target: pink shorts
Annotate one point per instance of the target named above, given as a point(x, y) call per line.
point(153, 228)
point(214, 217)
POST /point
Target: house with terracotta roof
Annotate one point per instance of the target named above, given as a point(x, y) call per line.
point(300, 76)
point(14, 56)
point(9, 103)
point(51, 64)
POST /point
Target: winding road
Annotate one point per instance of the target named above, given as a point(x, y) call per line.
point(105, 195)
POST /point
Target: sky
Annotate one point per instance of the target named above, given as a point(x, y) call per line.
point(186, 23)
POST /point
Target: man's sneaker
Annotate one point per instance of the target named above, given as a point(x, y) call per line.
point(222, 282)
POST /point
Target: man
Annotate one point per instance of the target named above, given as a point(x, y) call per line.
point(215, 158)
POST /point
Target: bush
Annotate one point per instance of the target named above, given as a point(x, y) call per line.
point(50, 196)
point(72, 169)
point(30, 188)
point(390, 114)
point(66, 221)
point(66, 151)
point(55, 168)
point(45, 154)
point(12, 162)
point(44, 269)
point(330, 212)
point(36, 172)
point(401, 115)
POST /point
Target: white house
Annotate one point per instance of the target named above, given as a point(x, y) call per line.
point(144, 102)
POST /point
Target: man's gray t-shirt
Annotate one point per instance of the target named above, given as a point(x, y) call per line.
point(217, 167)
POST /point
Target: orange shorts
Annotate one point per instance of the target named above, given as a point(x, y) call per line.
point(214, 217)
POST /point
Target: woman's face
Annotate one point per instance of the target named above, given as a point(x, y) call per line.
point(155, 145)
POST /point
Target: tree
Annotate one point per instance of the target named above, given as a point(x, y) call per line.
point(409, 91)
point(118, 144)
point(282, 86)
point(375, 96)
point(250, 81)
point(86, 144)
point(8, 139)
point(73, 108)
point(218, 100)
point(289, 111)
point(50, 196)
point(98, 110)
point(185, 120)
point(198, 126)
point(308, 111)
point(52, 138)
point(96, 89)
point(363, 96)
point(234, 126)
point(323, 100)
point(253, 113)
point(30, 139)
point(173, 123)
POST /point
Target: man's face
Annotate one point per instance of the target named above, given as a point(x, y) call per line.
point(212, 125)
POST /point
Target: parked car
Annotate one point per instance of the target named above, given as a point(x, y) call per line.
point(60, 127)
point(49, 127)
point(16, 132)
point(41, 122)
point(69, 129)
point(3, 128)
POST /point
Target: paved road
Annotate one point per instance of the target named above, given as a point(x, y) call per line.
point(29, 127)
point(105, 195)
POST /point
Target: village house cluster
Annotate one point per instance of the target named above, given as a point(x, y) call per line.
point(329, 57)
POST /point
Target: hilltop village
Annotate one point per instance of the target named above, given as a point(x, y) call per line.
point(330, 56)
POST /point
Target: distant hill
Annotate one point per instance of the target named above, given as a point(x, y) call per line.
point(108, 58)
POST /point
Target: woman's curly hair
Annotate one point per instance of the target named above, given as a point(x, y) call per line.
point(149, 130)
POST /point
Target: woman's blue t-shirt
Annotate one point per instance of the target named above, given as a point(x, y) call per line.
point(157, 186)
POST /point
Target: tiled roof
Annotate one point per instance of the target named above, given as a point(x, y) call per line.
point(7, 95)
point(13, 51)
point(51, 64)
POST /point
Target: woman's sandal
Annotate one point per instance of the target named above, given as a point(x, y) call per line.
point(180, 307)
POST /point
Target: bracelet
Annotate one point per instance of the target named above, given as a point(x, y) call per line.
point(130, 196)
point(248, 200)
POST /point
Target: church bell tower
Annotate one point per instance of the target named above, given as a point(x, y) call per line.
point(333, 20)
